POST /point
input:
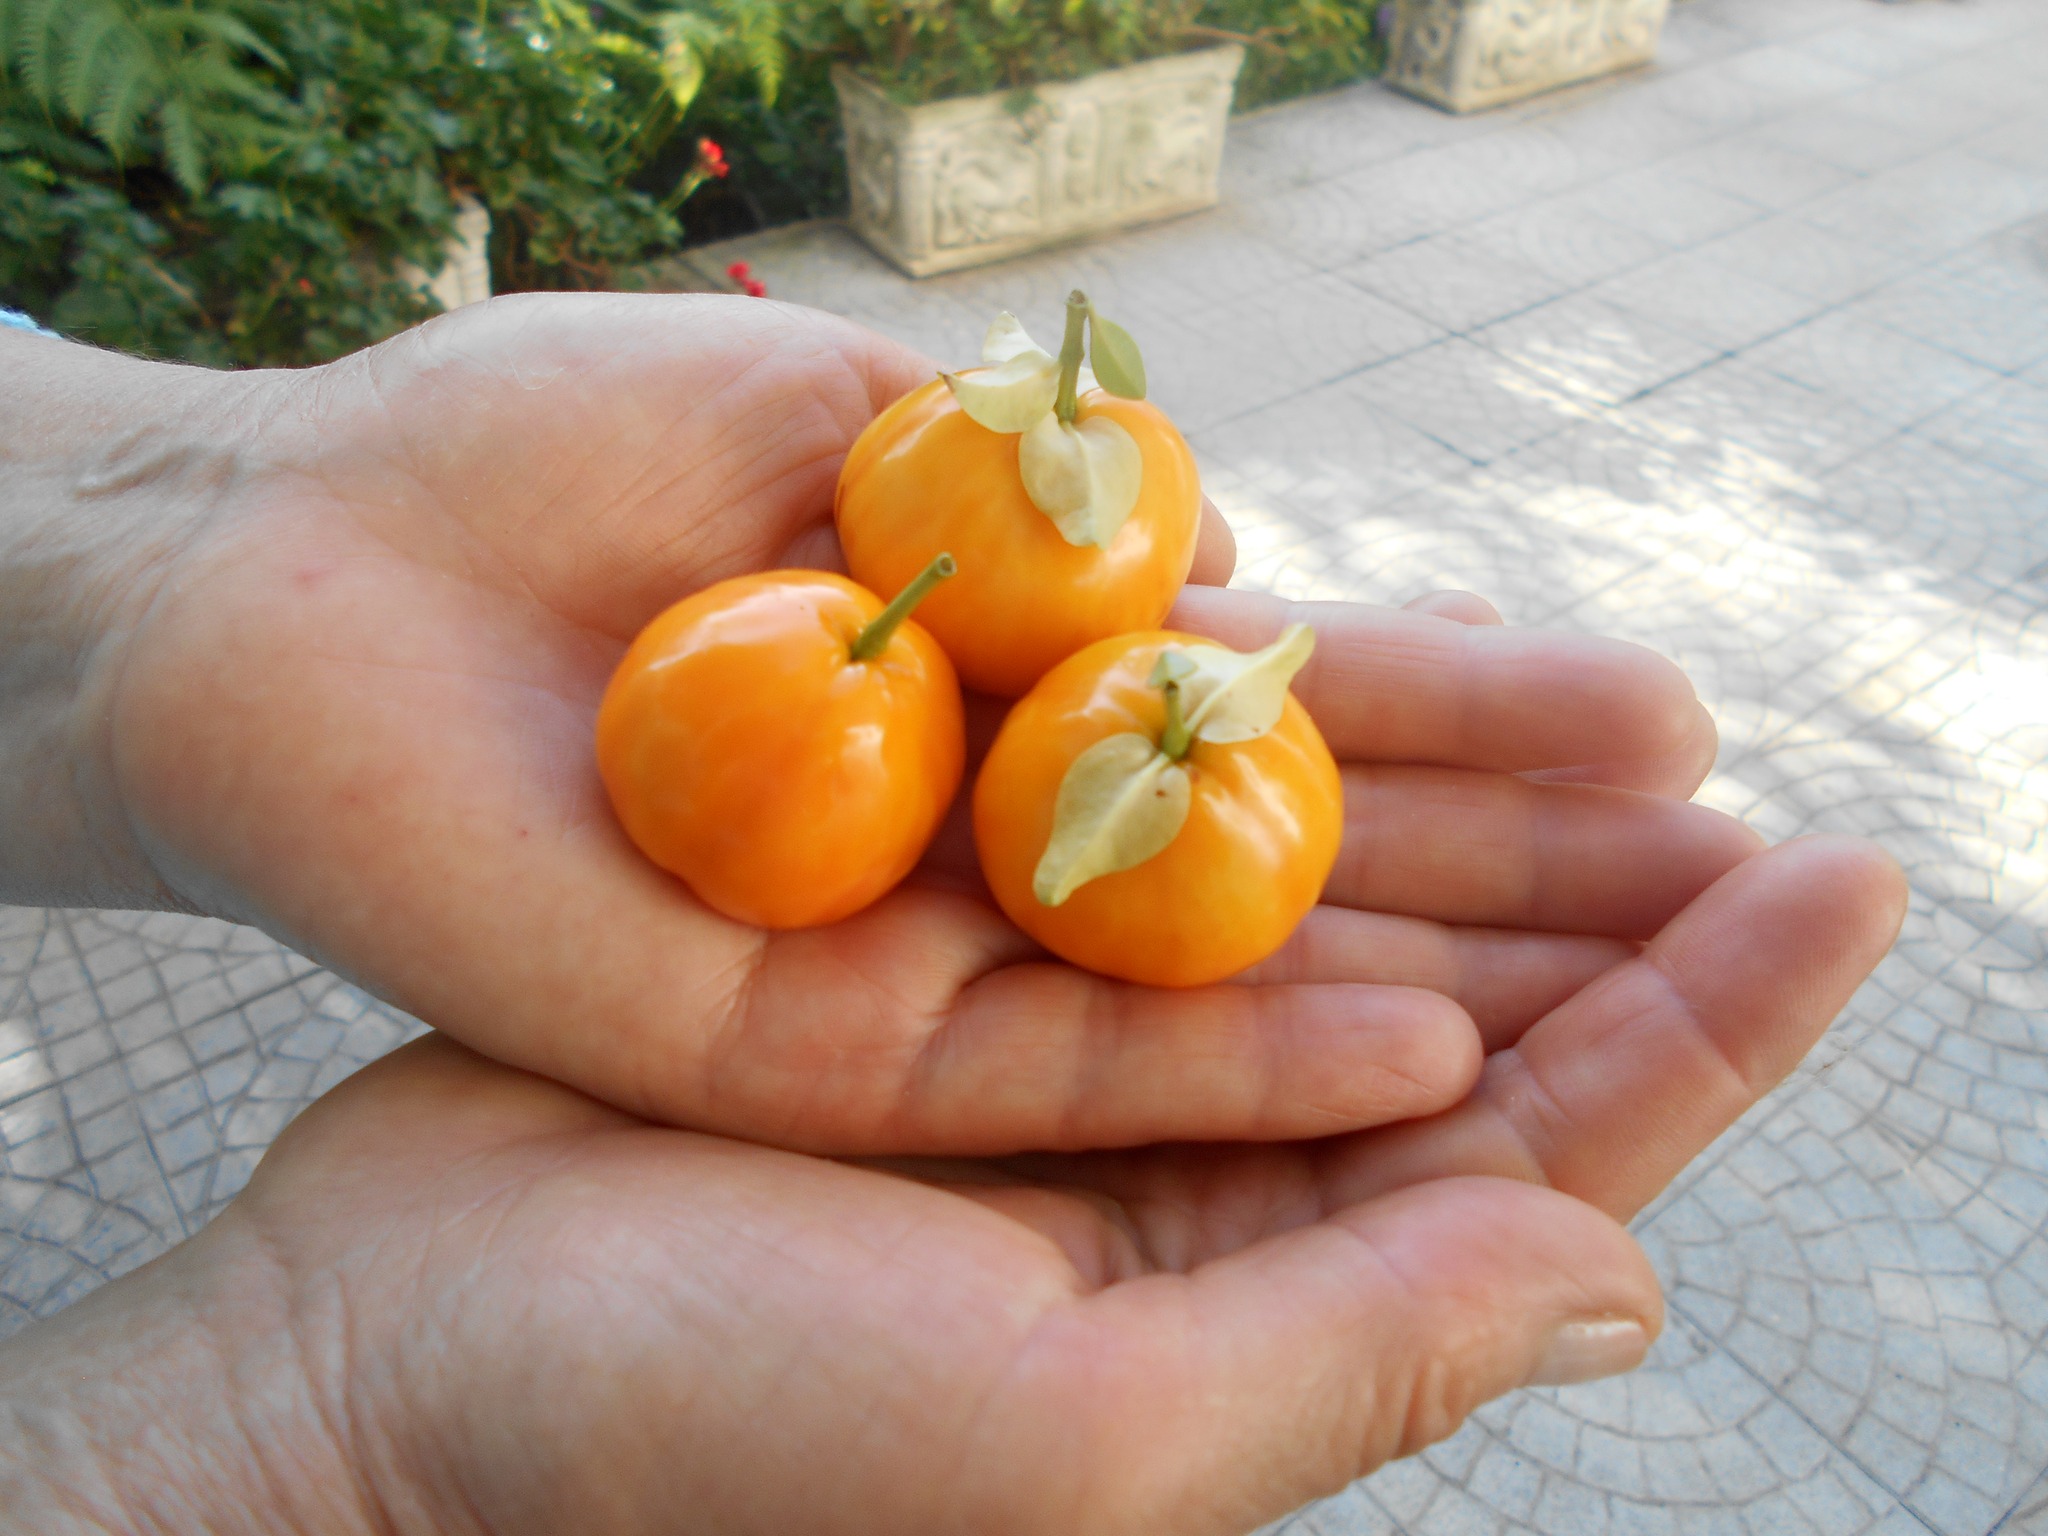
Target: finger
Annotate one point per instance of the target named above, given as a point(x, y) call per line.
point(1215, 549)
point(1495, 850)
point(1481, 851)
point(1211, 1403)
point(985, 1050)
point(1459, 607)
point(1504, 980)
point(1612, 1094)
point(1393, 687)
point(1678, 774)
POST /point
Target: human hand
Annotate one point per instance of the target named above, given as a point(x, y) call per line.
point(459, 1298)
point(352, 703)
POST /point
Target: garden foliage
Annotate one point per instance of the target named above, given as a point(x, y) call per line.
point(244, 181)
point(786, 151)
point(237, 181)
point(925, 50)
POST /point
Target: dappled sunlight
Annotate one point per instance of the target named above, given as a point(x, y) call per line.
point(1857, 688)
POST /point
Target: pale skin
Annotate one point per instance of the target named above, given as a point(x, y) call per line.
point(321, 652)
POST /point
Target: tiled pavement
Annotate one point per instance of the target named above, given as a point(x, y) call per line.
point(1744, 357)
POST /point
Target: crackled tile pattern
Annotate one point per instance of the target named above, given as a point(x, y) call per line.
point(146, 1061)
point(1744, 357)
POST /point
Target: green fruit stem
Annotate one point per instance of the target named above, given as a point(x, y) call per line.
point(1177, 738)
point(873, 640)
point(1072, 349)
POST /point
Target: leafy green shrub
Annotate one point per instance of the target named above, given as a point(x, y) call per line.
point(237, 181)
point(920, 51)
point(1298, 47)
point(785, 147)
point(241, 181)
point(755, 76)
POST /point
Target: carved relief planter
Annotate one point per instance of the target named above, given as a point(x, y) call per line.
point(971, 179)
point(1467, 54)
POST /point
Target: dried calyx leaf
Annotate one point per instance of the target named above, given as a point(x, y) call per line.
point(1009, 398)
point(1083, 475)
point(1126, 798)
point(1017, 383)
point(1120, 803)
point(1006, 339)
point(1238, 695)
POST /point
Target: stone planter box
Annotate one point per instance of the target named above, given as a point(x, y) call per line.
point(971, 179)
point(1468, 54)
point(465, 275)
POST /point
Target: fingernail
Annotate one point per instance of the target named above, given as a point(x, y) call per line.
point(1586, 1351)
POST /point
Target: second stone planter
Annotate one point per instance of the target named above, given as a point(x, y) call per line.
point(1468, 54)
point(972, 179)
point(465, 275)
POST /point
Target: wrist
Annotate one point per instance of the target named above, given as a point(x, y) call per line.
point(175, 1399)
point(109, 468)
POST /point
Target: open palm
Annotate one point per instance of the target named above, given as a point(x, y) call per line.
point(359, 713)
point(459, 1298)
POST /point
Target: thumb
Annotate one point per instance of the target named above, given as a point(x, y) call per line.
point(1219, 1400)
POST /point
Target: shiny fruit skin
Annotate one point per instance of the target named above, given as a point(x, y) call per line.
point(747, 752)
point(1263, 827)
point(924, 477)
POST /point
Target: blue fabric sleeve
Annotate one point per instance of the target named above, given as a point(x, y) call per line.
point(14, 319)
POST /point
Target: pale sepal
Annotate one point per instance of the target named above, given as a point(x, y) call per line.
point(1171, 667)
point(1084, 475)
point(1120, 803)
point(1011, 396)
point(1238, 695)
point(1007, 338)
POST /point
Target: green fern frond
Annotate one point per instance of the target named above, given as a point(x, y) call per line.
point(101, 30)
point(233, 33)
point(700, 31)
point(745, 35)
point(35, 44)
point(618, 45)
point(115, 66)
point(688, 42)
point(123, 98)
point(183, 151)
point(205, 77)
point(682, 71)
point(767, 57)
point(65, 150)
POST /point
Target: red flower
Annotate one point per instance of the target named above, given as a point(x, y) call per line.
point(757, 288)
point(739, 271)
point(305, 285)
point(711, 159)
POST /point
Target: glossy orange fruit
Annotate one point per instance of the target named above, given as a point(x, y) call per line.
point(749, 750)
point(924, 477)
point(1264, 821)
